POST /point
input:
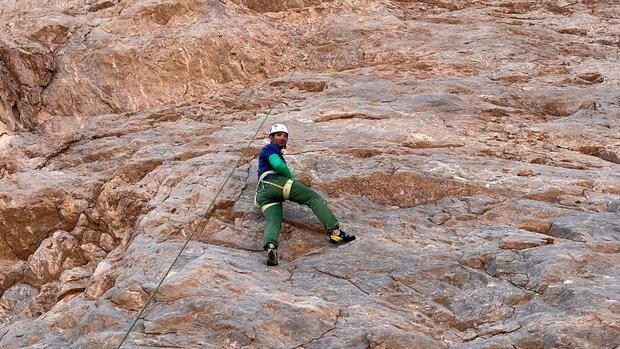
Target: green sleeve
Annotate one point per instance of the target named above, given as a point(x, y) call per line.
point(280, 166)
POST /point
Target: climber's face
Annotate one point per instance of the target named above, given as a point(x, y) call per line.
point(279, 138)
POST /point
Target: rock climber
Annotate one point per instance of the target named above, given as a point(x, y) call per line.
point(276, 184)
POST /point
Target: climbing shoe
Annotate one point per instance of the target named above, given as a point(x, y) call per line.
point(272, 257)
point(342, 238)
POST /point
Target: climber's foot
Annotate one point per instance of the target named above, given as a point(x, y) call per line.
point(340, 237)
point(272, 255)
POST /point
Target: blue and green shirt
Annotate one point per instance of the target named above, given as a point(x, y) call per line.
point(271, 159)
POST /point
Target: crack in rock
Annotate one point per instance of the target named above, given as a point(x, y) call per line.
point(62, 150)
point(341, 278)
point(324, 333)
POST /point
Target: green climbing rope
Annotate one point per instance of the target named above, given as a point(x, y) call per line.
point(189, 237)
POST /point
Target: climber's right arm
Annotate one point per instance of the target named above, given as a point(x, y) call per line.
point(280, 166)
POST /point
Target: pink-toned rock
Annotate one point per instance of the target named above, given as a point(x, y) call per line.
point(33, 216)
point(101, 281)
point(107, 242)
point(470, 146)
point(45, 299)
point(73, 281)
point(130, 296)
point(56, 254)
point(520, 242)
point(93, 253)
point(536, 225)
point(17, 301)
point(25, 69)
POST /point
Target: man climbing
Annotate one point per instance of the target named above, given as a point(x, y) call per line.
point(277, 184)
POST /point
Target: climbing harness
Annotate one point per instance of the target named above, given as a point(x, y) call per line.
point(260, 181)
point(286, 189)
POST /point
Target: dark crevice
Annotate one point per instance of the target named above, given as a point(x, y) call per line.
point(342, 278)
point(4, 334)
point(498, 333)
point(438, 222)
point(245, 249)
point(53, 74)
point(483, 269)
point(290, 278)
point(249, 344)
point(324, 333)
point(16, 113)
point(6, 241)
point(152, 305)
point(85, 37)
point(597, 151)
point(58, 153)
point(344, 116)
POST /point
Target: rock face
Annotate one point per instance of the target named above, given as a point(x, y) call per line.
point(472, 146)
point(25, 69)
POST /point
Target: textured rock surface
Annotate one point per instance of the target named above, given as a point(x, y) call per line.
point(472, 146)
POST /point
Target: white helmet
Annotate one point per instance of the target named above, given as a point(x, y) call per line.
point(278, 128)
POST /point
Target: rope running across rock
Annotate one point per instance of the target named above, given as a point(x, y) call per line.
point(189, 237)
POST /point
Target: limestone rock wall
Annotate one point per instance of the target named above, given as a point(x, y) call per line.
point(472, 146)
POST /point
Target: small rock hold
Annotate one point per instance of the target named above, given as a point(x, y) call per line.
point(614, 206)
point(100, 5)
point(101, 281)
point(610, 154)
point(107, 242)
point(99, 285)
point(56, 254)
point(522, 241)
point(536, 225)
point(131, 297)
point(592, 78)
point(92, 252)
point(469, 334)
point(72, 281)
point(520, 280)
point(440, 218)
point(527, 173)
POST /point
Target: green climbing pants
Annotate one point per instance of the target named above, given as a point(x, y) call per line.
point(272, 192)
